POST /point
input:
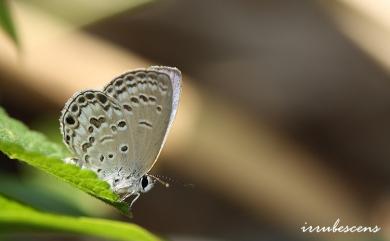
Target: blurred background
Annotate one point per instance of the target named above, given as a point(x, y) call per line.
point(284, 118)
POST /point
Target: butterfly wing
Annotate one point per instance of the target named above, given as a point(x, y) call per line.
point(149, 99)
point(95, 129)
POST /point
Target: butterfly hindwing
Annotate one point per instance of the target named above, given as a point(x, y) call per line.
point(92, 124)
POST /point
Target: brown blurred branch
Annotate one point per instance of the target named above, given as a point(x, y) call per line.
point(366, 23)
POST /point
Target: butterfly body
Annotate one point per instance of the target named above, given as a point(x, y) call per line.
point(119, 132)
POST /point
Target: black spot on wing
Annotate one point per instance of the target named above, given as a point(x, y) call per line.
point(145, 123)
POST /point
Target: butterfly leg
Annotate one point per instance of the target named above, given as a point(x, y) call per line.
point(135, 199)
point(73, 161)
point(126, 196)
point(130, 194)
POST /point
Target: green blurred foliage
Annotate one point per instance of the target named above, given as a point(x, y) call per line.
point(15, 217)
point(6, 22)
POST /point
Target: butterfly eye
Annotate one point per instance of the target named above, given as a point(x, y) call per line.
point(146, 183)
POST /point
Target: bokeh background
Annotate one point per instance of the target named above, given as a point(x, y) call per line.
point(284, 119)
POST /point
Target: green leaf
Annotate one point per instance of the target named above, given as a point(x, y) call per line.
point(17, 217)
point(6, 22)
point(18, 142)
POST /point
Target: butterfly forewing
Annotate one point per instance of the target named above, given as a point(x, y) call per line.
point(146, 97)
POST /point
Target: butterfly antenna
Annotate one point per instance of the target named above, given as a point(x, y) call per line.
point(165, 184)
point(165, 178)
point(187, 185)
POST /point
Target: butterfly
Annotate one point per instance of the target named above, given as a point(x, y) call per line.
point(119, 132)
